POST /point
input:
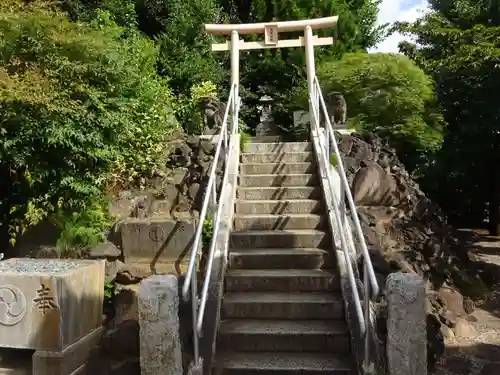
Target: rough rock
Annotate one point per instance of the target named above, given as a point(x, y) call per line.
point(464, 329)
point(124, 274)
point(174, 188)
point(129, 274)
point(104, 250)
point(406, 231)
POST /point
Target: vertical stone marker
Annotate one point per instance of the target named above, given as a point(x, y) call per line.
point(159, 326)
point(406, 324)
point(53, 306)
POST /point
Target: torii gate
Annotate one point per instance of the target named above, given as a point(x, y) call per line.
point(271, 40)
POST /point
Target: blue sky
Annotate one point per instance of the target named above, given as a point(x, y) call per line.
point(397, 10)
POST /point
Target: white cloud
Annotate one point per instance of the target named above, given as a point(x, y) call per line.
point(397, 10)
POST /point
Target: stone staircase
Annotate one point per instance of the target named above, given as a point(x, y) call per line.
point(282, 311)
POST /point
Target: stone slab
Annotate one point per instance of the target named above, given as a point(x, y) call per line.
point(162, 266)
point(152, 241)
point(160, 345)
point(48, 304)
point(69, 361)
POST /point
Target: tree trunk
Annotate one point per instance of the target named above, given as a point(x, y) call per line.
point(494, 189)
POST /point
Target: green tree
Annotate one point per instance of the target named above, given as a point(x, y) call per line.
point(389, 95)
point(82, 110)
point(458, 44)
point(185, 52)
point(177, 26)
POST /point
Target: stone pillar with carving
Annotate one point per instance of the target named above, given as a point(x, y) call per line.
point(406, 324)
point(160, 345)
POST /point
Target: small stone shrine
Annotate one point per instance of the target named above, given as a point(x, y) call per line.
point(267, 126)
point(52, 306)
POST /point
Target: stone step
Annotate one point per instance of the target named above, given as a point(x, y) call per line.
point(285, 221)
point(270, 147)
point(260, 335)
point(279, 207)
point(278, 168)
point(276, 193)
point(281, 363)
point(278, 157)
point(279, 305)
point(280, 280)
point(280, 239)
point(266, 139)
point(280, 259)
point(273, 180)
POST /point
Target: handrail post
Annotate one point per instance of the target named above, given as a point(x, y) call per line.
point(311, 70)
point(235, 77)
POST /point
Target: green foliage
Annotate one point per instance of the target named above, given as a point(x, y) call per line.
point(185, 54)
point(109, 290)
point(82, 109)
point(207, 232)
point(333, 160)
point(187, 107)
point(458, 45)
point(244, 139)
point(83, 229)
point(122, 11)
point(176, 25)
point(389, 95)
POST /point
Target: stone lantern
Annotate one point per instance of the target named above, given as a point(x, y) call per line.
point(265, 108)
point(267, 125)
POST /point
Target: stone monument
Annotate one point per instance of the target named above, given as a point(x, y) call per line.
point(160, 345)
point(52, 306)
point(406, 321)
point(267, 127)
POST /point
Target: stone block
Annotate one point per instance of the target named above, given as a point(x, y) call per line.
point(160, 346)
point(71, 360)
point(154, 241)
point(48, 304)
point(406, 324)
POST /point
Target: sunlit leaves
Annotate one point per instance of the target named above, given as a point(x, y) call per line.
point(388, 94)
point(80, 106)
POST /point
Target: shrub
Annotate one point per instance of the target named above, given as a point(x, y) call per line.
point(81, 110)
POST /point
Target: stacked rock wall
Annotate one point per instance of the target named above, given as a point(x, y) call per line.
point(406, 231)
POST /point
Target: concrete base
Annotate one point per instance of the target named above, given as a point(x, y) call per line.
point(71, 360)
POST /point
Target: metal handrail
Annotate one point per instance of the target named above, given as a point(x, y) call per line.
point(191, 279)
point(213, 243)
point(369, 279)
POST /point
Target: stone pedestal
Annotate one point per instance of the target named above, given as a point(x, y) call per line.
point(154, 245)
point(266, 128)
point(406, 324)
point(53, 306)
point(160, 346)
point(69, 361)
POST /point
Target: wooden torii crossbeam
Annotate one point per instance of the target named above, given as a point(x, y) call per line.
point(271, 33)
